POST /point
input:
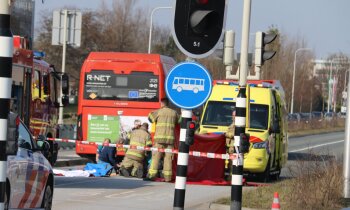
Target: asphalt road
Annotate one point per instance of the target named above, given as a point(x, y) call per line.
point(127, 193)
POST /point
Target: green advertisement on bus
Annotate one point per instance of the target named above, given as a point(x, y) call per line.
point(103, 126)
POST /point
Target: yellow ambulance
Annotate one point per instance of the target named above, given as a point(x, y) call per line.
point(266, 123)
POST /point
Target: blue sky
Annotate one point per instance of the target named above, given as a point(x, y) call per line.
point(324, 24)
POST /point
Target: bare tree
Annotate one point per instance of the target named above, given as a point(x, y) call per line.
point(120, 27)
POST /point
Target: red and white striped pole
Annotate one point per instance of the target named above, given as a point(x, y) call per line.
point(6, 50)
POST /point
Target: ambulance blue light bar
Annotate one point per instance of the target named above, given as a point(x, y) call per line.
point(234, 99)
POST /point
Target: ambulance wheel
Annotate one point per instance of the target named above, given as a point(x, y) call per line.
point(47, 200)
point(277, 174)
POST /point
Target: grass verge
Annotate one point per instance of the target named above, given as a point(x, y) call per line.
point(313, 185)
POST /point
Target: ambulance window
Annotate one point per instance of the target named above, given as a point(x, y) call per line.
point(275, 114)
point(259, 115)
point(24, 139)
point(218, 113)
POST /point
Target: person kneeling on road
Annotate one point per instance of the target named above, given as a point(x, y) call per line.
point(133, 160)
point(108, 155)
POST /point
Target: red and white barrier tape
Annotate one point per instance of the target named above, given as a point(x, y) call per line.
point(153, 149)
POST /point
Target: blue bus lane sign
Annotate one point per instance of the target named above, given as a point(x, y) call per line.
point(188, 85)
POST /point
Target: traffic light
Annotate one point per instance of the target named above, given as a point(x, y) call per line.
point(190, 129)
point(65, 84)
point(261, 40)
point(198, 26)
point(244, 138)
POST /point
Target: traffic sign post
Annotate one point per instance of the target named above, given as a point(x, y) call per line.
point(66, 29)
point(241, 110)
point(188, 85)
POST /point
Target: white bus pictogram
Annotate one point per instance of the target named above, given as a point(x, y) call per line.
point(185, 83)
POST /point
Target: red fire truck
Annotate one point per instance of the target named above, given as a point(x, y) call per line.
point(35, 93)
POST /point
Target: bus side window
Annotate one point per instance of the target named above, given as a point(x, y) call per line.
point(36, 85)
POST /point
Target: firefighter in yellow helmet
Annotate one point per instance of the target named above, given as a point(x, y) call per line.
point(165, 120)
point(133, 160)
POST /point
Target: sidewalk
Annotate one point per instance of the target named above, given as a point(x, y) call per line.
point(214, 206)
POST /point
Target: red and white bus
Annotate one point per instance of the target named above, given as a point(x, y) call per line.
point(115, 89)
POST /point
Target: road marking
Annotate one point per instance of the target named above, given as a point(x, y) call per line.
point(142, 195)
point(90, 193)
point(320, 145)
point(117, 194)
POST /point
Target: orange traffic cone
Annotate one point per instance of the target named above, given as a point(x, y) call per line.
point(276, 202)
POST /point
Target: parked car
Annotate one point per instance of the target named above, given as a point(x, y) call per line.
point(316, 114)
point(29, 176)
point(294, 117)
point(305, 116)
point(330, 115)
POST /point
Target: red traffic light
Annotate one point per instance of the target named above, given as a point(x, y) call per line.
point(198, 26)
point(192, 125)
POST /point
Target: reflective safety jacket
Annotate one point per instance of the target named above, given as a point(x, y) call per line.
point(165, 119)
point(138, 137)
point(230, 135)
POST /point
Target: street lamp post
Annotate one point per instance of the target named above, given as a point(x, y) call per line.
point(295, 56)
point(150, 26)
point(329, 84)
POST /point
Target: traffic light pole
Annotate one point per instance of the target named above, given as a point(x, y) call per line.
point(240, 119)
point(182, 162)
point(346, 162)
point(6, 53)
point(64, 49)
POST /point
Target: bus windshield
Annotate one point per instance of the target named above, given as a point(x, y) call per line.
point(220, 113)
point(136, 86)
